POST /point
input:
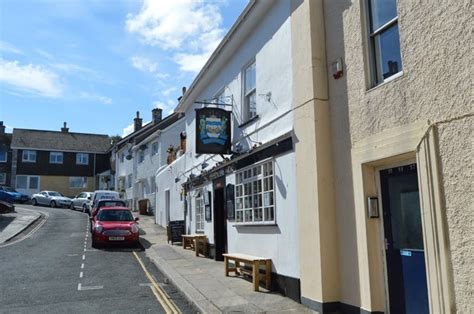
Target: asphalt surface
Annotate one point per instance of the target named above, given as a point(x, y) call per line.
point(55, 270)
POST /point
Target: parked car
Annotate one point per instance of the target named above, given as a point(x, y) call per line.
point(82, 201)
point(50, 198)
point(17, 196)
point(114, 224)
point(105, 203)
point(103, 195)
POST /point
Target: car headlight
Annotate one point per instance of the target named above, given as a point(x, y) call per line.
point(134, 228)
point(98, 228)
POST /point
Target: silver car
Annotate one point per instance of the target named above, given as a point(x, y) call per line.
point(82, 201)
point(50, 198)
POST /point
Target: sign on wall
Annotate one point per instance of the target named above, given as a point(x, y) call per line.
point(213, 133)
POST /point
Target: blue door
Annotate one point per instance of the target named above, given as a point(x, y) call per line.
point(405, 256)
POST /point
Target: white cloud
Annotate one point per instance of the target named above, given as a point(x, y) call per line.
point(7, 47)
point(127, 130)
point(31, 79)
point(95, 97)
point(44, 54)
point(167, 92)
point(190, 28)
point(144, 64)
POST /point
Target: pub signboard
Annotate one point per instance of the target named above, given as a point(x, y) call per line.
point(213, 132)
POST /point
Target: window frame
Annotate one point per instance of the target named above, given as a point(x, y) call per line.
point(374, 65)
point(4, 176)
point(245, 94)
point(240, 193)
point(27, 182)
point(28, 154)
point(141, 156)
point(154, 148)
point(84, 183)
point(199, 211)
point(79, 160)
point(51, 154)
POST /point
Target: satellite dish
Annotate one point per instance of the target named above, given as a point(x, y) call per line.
point(128, 157)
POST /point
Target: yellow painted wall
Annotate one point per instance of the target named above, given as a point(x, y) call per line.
point(61, 185)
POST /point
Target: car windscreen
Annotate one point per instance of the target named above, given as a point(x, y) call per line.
point(115, 215)
point(54, 194)
point(8, 189)
point(110, 203)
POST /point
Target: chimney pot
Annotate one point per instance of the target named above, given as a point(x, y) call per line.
point(65, 129)
point(2, 128)
point(137, 122)
point(156, 115)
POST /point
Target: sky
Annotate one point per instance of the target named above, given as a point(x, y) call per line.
point(94, 63)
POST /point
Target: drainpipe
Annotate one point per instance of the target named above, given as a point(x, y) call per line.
point(94, 171)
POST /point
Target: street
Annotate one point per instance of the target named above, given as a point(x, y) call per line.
point(53, 269)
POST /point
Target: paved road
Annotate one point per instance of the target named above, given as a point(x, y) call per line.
point(55, 270)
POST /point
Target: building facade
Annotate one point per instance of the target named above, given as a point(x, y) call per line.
point(5, 156)
point(393, 221)
point(63, 161)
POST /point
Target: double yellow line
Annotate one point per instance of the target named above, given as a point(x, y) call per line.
point(159, 293)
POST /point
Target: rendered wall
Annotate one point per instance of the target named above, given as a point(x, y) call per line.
point(436, 85)
point(61, 185)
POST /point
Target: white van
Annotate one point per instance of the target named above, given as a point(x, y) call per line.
point(103, 195)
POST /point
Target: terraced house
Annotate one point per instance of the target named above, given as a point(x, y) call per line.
point(62, 161)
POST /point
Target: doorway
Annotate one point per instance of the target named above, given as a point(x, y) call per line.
point(220, 218)
point(403, 232)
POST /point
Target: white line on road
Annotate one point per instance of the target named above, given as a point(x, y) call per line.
point(145, 284)
point(79, 286)
point(83, 256)
point(83, 288)
point(81, 274)
point(82, 266)
point(72, 254)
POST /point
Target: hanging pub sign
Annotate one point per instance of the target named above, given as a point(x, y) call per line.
point(213, 131)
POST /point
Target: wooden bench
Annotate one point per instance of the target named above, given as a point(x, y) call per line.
point(255, 262)
point(195, 242)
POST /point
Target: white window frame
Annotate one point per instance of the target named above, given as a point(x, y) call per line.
point(82, 159)
point(141, 156)
point(199, 211)
point(6, 156)
point(122, 157)
point(53, 157)
point(3, 177)
point(247, 115)
point(255, 194)
point(28, 182)
point(373, 49)
point(83, 183)
point(28, 156)
point(154, 148)
point(129, 180)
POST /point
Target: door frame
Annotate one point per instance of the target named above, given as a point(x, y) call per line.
point(377, 171)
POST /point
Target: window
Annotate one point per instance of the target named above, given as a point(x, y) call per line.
point(55, 158)
point(3, 155)
point(82, 159)
point(254, 195)
point(27, 182)
point(122, 156)
point(29, 156)
point(154, 148)
point(3, 178)
point(152, 184)
point(77, 182)
point(250, 92)
point(141, 156)
point(199, 202)
point(129, 181)
point(384, 40)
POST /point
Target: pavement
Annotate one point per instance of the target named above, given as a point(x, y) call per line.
point(203, 282)
point(15, 222)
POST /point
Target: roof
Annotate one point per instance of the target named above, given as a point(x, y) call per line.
point(60, 141)
point(148, 129)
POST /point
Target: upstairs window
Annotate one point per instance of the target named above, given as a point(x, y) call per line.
point(29, 156)
point(82, 159)
point(250, 92)
point(122, 156)
point(3, 155)
point(154, 148)
point(141, 156)
point(55, 158)
point(385, 56)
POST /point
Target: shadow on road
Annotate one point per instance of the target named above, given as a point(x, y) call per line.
point(5, 221)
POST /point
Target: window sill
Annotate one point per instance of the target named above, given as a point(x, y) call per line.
point(266, 224)
point(386, 81)
point(250, 121)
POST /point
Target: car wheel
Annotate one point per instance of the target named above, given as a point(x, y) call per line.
point(52, 204)
point(34, 202)
point(71, 206)
point(84, 209)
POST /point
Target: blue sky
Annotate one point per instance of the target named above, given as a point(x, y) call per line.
point(94, 63)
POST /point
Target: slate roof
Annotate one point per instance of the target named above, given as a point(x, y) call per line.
point(59, 141)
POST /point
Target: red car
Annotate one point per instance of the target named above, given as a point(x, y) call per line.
point(114, 224)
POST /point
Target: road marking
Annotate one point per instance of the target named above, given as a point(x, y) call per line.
point(145, 285)
point(72, 254)
point(29, 234)
point(82, 266)
point(83, 256)
point(81, 288)
point(81, 274)
point(165, 301)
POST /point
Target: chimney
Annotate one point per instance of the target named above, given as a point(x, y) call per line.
point(156, 115)
point(137, 122)
point(65, 129)
point(2, 128)
point(183, 89)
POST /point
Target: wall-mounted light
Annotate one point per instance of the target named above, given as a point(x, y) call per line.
point(336, 69)
point(373, 207)
point(204, 165)
point(176, 180)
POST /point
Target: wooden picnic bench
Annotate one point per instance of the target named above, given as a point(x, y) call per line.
point(196, 242)
point(254, 262)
